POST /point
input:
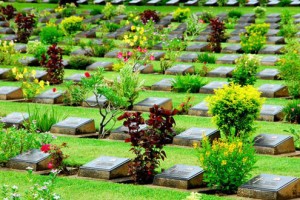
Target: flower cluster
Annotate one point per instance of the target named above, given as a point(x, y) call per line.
point(56, 154)
point(136, 37)
point(7, 50)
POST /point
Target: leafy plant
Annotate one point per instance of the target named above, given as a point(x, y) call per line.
point(259, 11)
point(234, 14)
point(217, 35)
point(74, 95)
point(188, 83)
point(95, 11)
point(246, 70)
point(80, 62)
point(97, 50)
point(108, 10)
point(206, 58)
point(296, 136)
point(53, 63)
point(283, 3)
point(292, 111)
point(37, 49)
point(8, 54)
point(221, 2)
point(71, 25)
point(25, 24)
point(227, 163)
point(148, 15)
point(206, 16)
point(234, 109)
point(56, 156)
point(193, 27)
point(51, 35)
point(185, 105)
point(287, 27)
point(147, 144)
point(8, 12)
point(263, 2)
point(110, 26)
point(181, 14)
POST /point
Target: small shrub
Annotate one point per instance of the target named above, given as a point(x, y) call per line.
point(242, 3)
point(292, 111)
point(71, 25)
point(25, 24)
point(234, 109)
point(37, 49)
point(185, 105)
point(188, 83)
point(227, 163)
point(96, 11)
point(108, 10)
point(181, 14)
point(217, 35)
point(75, 94)
point(8, 54)
point(288, 30)
point(234, 14)
point(148, 154)
point(149, 15)
point(260, 12)
point(50, 35)
point(56, 156)
point(206, 16)
point(80, 62)
point(8, 12)
point(206, 58)
point(194, 27)
point(221, 2)
point(246, 70)
point(53, 64)
point(296, 136)
point(120, 10)
point(110, 26)
point(263, 2)
point(283, 3)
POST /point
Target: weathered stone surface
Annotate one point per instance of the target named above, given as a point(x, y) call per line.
point(180, 176)
point(49, 97)
point(112, 54)
point(271, 187)
point(212, 86)
point(149, 102)
point(10, 93)
point(246, 19)
point(272, 20)
point(99, 2)
point(190, 57)
point(180, 69)
point(271, 113)
point(275, 40)
point(202, 38)
point(81, 52)
point(269, 60)
point(121, 133)
point(172, 3)
point(273, 2)
point(234, 39)
point(191, 3)
point(75, 77)
point(193, 136)
point(105, 167)
point(92, 101)
point(40, 75)
point(87, 34)
point(164, 85)
point(201, 109)
point(227, 59)
point(153, 2)
point(35, 158)
point(274, 144)
point(198, 47)
point(235, 48)
point(269, 74)
point(272, 32)
point(135, 2)
point(15, 119)
point(22, 48)
point(7, 31)
point(29, 61)
point(9, 38)
point(223, 72)
point(273, 90)
point(4, 72)
point(74, 126)
point(116, 2)
point(144, 69)
point(252, 3)
point(211, 3)
point(275, 49)
point(100, 64)
point(232, 3)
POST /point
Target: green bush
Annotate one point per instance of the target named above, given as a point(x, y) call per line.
point(74, 95)
point(287, 27)
point(110, 26)
point(296, 136)
point(246, 70)
point(181, 14)
point(234, 14)
point(263, 2)
point(260, 12)
point(221, 2)
point(80, 62)
point(206, 16)
point(283, 3)
point(227, 163)
point(71, 25)
point(95, 11)
point(206, 58)
point(51, 35)
point(292, 111)
point(37, 49)
point(234, 109)
point(188, 83)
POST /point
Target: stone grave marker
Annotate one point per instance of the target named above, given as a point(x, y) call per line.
point(274, 15)
point(180, 176)
point(7, 30)
point(75, 77)
point(191, 3)
point(296, 16)
point(272, 32)
point(22, 48)
point(163, 85)
point(223, 72)
point(35, 158)
point(99, 2)
point(202, 38)
point(101, 64)
point(201, 109)
point(158, 46)
point(269, 74)
point(194, 136)
point(232, 3)
point(105, 167)
point(10, 93)
point(235, 48)
point(273, 2)
point(112, 54)
point(274, 144)
point(83, 2)
point(241, 25)
point(227, 59)
point(144, 69)
point(92, 102)
point(271, 113)
point(74, 126)
point(295, 3)
point(275, 40)
point(40, 75)
point(270, 20)
point(49, 97)
point(210, 87)
point(237, 32)
point(180, 69)
point(252, 3)
point(4, 73)
point(198, 47)
point(270, 187)
point(274, 49)
point(211, 3)
point(135, 2)
point(121, 133)
point(273, 90)
point(189, 57)
point(234, 39)
point(4, 24)
point(15, 119)
point(29, 61)
point(172, 3)
point(246, 19)
point(269, 60)
point(274, 26)
point(117, 2)
point(87, 34)
point(153, 2)
point(81, 52)
point(149, 102)
point(9, 38)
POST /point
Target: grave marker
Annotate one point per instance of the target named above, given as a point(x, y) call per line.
point(163, 85)
point(273, 90)
point(180, 69)
point(10, 93)
point(74, 126)
point(15, 119)
point(149, 102)
point(271, 113)
point(201, 109)
point(212, 86)
point(49, 97)
point(223, 72)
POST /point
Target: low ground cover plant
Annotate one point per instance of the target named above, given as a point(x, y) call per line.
point(188, 83)
point(292, 111)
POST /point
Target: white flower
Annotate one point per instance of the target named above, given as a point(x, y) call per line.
point(56, 196)
point(14, 187)
point(29, 168)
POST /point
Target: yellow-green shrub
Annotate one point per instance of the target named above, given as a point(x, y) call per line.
point(71, 24)
point(227, 163)
point(181, 13)
point(234, 109)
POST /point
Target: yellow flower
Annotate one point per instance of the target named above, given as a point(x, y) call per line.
point(132, 28)
point(25, 71)
point(245, 159)
point(207, 153)
point(42, 83)
point(195, 145)
point(36, 81)
point(14, 70)
point(47, 83)
point(224, 162)
point(33, 73)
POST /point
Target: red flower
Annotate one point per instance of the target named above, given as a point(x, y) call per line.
point(129, 53)
point(50, 165)
point(45, 148)
point(86, 74)
point(152, 57)
point(120, 55)
point(125, 59)
point(53, 89)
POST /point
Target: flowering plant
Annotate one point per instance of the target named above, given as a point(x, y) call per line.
point(7, 53)
point(292, 111)
point(56, 155)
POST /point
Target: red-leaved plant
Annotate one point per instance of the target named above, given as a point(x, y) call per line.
point(147, 144)
point(56, 156)
point(53, 63)
point(8, 12)
point(217, 35)
point(148, 15)
point(25, 24)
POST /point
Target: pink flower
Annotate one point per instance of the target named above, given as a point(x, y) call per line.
point(293, 109)
point(87, 75)
point(50, 165)
point(144, 50)
point(139, 49)
point(45, 148)
point(125, 59)
point(201, 21)
point(120, 55)
point(129, 53)
point(53, 89)
point(152, 57)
